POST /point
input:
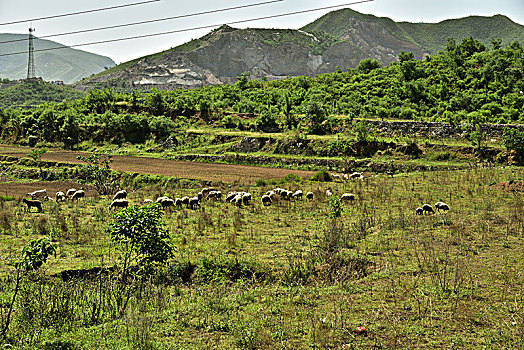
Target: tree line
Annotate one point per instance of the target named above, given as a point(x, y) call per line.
point(465, 83)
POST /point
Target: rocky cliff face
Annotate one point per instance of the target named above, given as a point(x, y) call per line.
point(339, 40)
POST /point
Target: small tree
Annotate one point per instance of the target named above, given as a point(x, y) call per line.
point(35, 254)
point(364, 131)
point(316, 113)
point(140, 231)
point(514, 141)
point(99, 172)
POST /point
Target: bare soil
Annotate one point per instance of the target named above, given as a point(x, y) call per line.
point(229, 173)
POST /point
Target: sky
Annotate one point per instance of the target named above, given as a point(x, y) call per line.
point(122, 51)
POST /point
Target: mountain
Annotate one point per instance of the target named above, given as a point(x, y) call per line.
point(337, 40)
point(65, 64)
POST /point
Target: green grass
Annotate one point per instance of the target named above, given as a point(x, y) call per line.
point(450, 280)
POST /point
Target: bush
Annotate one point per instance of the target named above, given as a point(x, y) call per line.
point(322, 176)
point(514, 141)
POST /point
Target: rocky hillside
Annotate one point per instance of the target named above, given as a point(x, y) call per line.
point(66, 64)
point(338, 40)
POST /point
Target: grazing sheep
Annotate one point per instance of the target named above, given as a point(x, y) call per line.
point(428, 209)
point(298, 194)
point(356, 176)
point(441, 206)
point(310, 195)
point(70, 192)
point(419, 211)
point(347, 197)
point(185, 201)
point(266, 200)
point(193, 202)
point(285, 194)
point(160, 199)
point(122, 194)
point(60, 196)
point(148, 201)
point(200, 195)
point(206, 190)
point(336, 177)
point(38, 194)
point(230, 196)
point(273, 196)
point(329, 193)
point(78, 194)
point(33, 203)
point(178, 202)
point(246, 198)
point(237, 200)
point(167, 202)
point(119, 203)
point(216, 195)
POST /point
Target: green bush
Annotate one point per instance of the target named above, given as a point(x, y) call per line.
point(322, 176)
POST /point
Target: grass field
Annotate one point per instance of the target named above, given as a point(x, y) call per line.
point(291, 275)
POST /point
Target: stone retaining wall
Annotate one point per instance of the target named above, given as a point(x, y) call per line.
point(436, 129)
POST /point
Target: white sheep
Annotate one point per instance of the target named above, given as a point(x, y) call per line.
point(298, 194)
point(148, 201)
point(38, 194)
point(230, 196)
point(193, 202)
point(185, 201)
point(419, 211)
point(310, 195)
point(441, 206)
point(246, 198)
point(70, 192)
point(78, 194)
point(122, 194)
point(347, 197)
point(160, 199)
point(266, 200)
point(60, 196)
point(329, 193)
point(356, 176)
point(119, 203)
point(216, 195)
point(426, 208)
point(167, 202)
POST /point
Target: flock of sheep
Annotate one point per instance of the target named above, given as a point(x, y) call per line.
point(426, 208)
point(238, 198)
point(37, 196)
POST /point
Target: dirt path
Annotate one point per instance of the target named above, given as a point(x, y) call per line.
point(190, 170)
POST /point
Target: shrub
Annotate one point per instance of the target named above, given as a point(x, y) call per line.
point(514, 141)
point(322, 176)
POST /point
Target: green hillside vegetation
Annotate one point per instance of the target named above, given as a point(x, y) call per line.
point(32, 93)
point(467, 83)
point(338, 22)
point(431, 37)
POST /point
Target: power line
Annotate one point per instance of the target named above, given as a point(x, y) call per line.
point(78, 13)
point(149, 21)
point(194, 28)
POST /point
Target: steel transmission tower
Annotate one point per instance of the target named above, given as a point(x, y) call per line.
point(31, 63)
